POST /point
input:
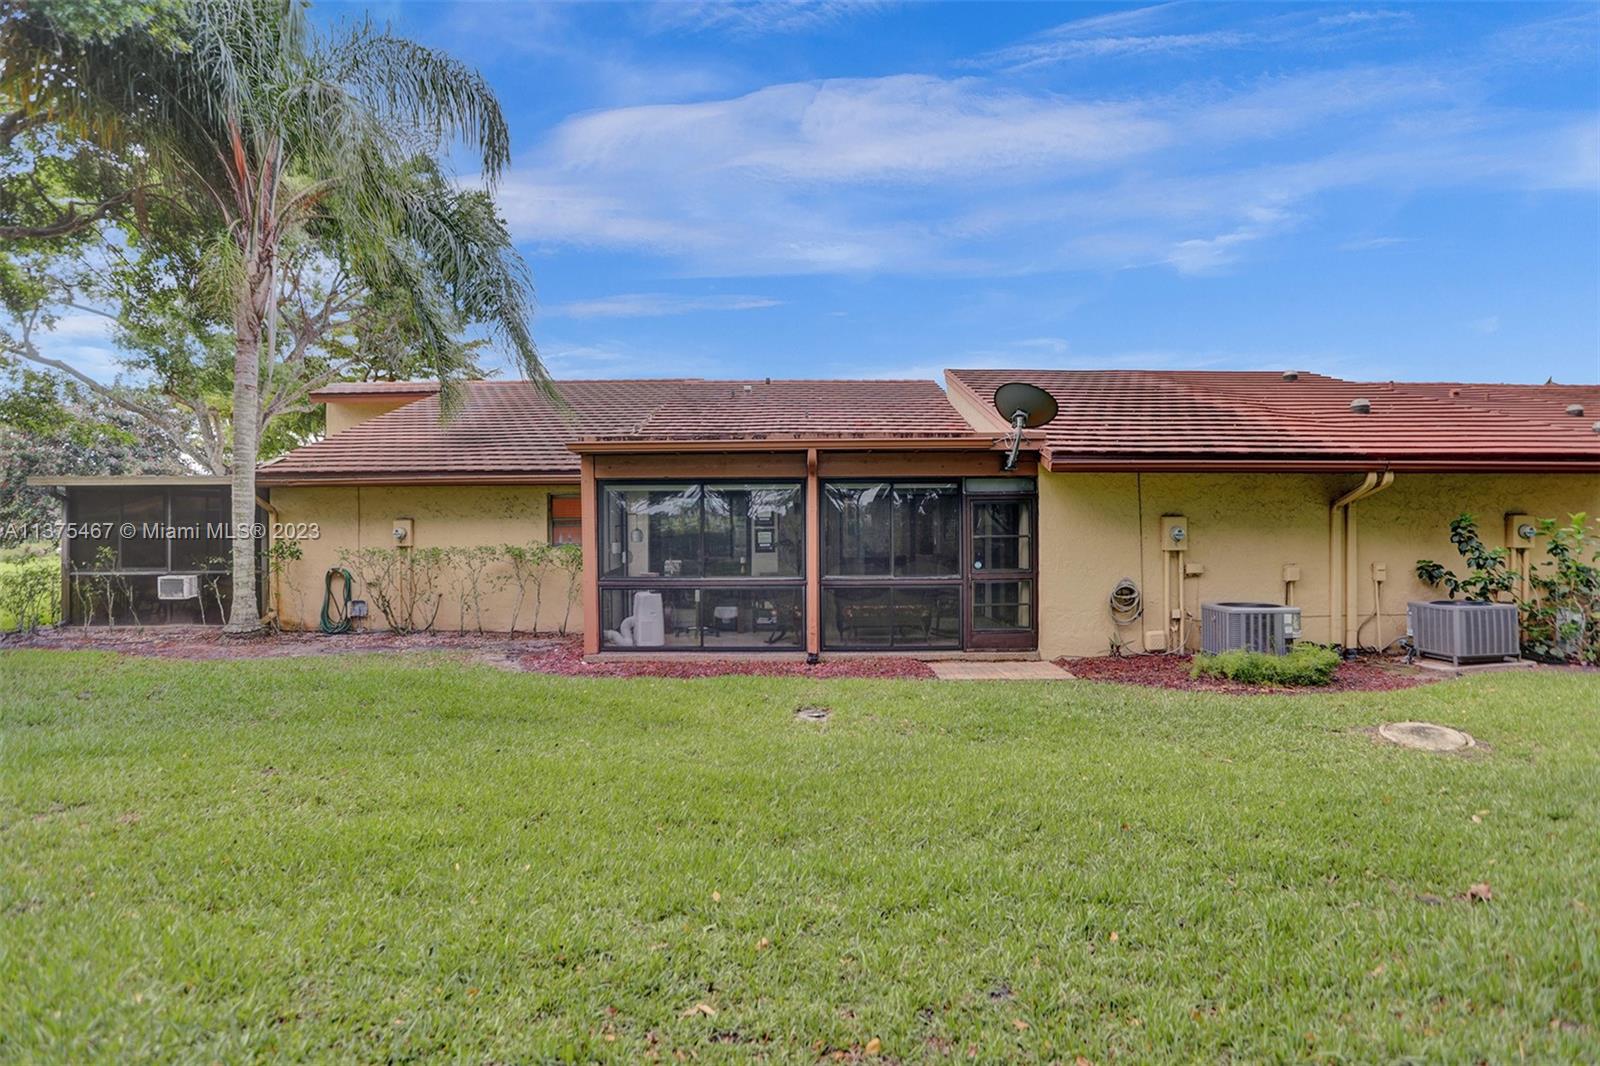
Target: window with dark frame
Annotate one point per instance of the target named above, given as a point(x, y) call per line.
point(566, 520)
point(891, 574)
point(702, 565)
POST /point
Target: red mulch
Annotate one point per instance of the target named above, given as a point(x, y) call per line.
point(566, 658)
point(1172, 671)
point(563, 656)
point(543, 654)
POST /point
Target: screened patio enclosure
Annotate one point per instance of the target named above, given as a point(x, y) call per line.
point(903, 565)
point(707, 564)
point(125, 533)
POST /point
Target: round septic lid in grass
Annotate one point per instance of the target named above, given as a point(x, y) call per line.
point(1425, 736)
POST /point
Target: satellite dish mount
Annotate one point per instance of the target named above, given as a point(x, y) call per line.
point(1025, 407)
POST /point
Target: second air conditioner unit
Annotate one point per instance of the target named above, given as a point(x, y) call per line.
point(177, 587)
point(1265, 627)
point(1464, 631)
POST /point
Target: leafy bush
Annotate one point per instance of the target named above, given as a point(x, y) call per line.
point(568, 559)
point(527, 565)
point(280, 557)
point(1490, 574)
point(1562, 622)
point(1306, 664)
point(30, 593)
point(403, 583)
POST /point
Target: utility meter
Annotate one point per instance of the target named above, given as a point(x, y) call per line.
point(1520, 530)
point(1174, 533)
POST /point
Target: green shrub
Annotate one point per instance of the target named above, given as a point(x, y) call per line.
point(30, 593)
point(1306, 664)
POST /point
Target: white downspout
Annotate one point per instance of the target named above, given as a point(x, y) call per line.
point(1342, 549)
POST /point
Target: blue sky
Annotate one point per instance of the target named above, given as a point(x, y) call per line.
point(865, 189)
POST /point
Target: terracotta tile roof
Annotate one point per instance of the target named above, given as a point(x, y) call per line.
point(353, 390)
point(510, 429)
point(763, 410)
point(1117, 417)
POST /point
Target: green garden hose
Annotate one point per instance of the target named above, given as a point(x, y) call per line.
point(335, 617)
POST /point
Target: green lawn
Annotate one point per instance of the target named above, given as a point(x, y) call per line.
point(389, 859)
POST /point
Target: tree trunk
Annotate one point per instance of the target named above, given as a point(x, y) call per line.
point(250, 310)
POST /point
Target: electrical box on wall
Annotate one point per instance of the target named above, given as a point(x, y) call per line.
point(1291, 571)
point(405, 532)
point(1520, 530)
point(1174, 533)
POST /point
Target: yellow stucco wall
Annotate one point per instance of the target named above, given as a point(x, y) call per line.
point(443, 516)
point(1093, 530)
point(341, 416)
point(1244, 528)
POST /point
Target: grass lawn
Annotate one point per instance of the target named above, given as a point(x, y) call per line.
point(395, 859)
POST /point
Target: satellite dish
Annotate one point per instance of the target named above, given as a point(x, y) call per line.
point(1017, 400)
point(1025, 407)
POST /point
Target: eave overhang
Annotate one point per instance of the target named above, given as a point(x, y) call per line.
point(445, 477)
point(780, 443)
point(1244, 464)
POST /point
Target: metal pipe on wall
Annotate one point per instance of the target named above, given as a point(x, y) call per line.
point(1342, 555)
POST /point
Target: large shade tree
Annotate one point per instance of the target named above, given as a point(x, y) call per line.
point(272, 134)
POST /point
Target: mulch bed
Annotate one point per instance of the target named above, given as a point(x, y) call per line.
point(543, 654)
point(1172, 671)
point(566, 658)
point(563, 656)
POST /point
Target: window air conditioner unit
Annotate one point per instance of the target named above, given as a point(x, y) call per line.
point(177, 587)
point(1264, 627)
point(1464, 631)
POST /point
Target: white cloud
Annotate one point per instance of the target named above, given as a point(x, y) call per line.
point(657, 304)
point(1363, 17)
point(1168, 30)
point(1489, 324)
point(83, 341)
point(1369, 244)
point(912, 173)
point(756, 19)
point(896, 129)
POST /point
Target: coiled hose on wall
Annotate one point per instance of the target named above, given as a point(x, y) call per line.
point(335, 616)
point(1127, 606)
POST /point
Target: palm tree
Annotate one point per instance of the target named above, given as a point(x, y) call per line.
point(270, 131)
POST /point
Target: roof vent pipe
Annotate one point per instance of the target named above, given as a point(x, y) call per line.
point(1361, 405)
point(1575, 410)
point(1596, 427)
point(1291, 375)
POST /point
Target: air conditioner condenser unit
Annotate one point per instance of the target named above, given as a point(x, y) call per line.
point(1464, 631)
point(1265, 627)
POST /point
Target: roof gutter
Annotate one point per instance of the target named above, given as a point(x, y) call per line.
point(292, 480)
point(1160, 464)
point(964, 442)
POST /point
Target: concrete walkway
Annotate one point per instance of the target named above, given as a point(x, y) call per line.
point(999, 671)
